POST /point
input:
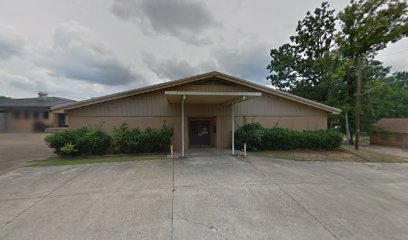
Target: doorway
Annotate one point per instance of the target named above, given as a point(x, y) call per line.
point(200, 133)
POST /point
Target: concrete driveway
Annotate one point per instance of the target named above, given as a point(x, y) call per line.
point(214, 197)
point(18, 148)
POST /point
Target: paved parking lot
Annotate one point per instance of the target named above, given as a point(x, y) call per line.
point(18, 148)
point(214, 197)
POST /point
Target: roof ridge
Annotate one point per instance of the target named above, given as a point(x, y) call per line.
point(193, 79)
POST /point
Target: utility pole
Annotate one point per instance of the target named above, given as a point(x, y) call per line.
point(358, 102)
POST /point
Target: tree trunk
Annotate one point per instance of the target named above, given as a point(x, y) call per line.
point(349, 140)
point(358, 103)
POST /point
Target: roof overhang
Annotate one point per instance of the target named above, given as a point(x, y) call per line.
point(224, 98)
point(192, 79)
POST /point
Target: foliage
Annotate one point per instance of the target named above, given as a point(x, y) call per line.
point(322, 139)
point(68, 149)
point(125, 140)
point(319, 62)
point(304, 66)
point(251, 134)
point(259, 138)
point(367, 26)
point(83, 141)
point(281, 139)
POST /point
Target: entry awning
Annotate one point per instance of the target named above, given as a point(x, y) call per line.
point(225, 98)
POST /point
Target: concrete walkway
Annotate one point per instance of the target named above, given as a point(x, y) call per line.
point(206, 197)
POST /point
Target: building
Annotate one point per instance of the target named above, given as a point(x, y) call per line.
point(392, 132)
point(202, 109)
point(30, 114)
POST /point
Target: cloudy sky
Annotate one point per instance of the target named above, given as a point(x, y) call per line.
point(80, 49)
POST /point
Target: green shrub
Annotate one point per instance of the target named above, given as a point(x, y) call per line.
point(322, 139)
point(83, 141)
point(125, 140)
point(280, 139)
point(259, 138)
point(68, 149)
point(251, 134)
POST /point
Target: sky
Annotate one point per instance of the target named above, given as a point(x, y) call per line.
point(81, 49)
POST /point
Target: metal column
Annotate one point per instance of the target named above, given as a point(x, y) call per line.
point(232, 132)
point(182, 125)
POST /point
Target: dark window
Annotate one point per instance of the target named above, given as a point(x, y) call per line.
point(36, 115)
point(61, 120)
point(45, 115)
point(385, 135)
point(26, 114)
point(16, 115)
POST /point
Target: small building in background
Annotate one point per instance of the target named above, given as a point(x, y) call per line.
point(392, 132)
point(31, 114)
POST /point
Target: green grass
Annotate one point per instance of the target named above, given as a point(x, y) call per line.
point(59, 161)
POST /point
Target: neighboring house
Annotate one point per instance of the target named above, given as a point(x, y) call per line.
point(202, 109)
point(391, 132)
point(30, 114)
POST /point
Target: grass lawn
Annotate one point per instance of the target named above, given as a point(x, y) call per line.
point(338, 155)
point(59, 161)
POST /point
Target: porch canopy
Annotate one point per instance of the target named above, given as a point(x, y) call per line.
point(219, 98)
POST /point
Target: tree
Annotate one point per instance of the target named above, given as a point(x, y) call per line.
point(304, 64)
point(367, 26)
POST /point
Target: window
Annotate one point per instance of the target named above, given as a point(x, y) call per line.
point(398, 137)
point(26, 114)
point(16, 115)
point(36, 115)
point(45, 115)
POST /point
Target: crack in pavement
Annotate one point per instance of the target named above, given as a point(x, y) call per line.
point(210, 227)
point(296, 201)
point(46, 195)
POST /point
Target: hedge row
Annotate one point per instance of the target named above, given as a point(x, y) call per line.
point(125, 140)
point(93, 141)
point(259, 138)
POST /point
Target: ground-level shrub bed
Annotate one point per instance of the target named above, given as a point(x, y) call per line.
point(259, 138)
point(93, 141)
point(79, 142)
point(125, 140)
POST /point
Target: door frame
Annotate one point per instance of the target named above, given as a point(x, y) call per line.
point(212, 124)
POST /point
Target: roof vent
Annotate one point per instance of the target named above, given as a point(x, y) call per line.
point(42, 95)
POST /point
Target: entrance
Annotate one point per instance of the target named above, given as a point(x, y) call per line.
point(200, 134)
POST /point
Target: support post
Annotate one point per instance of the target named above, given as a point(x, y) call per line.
point(245, 153)
point(182, 125)
point(232, 132)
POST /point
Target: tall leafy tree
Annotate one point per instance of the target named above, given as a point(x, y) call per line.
point(304, 66)
point(367, 26)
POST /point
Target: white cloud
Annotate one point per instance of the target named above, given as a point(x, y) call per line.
point(81, 49)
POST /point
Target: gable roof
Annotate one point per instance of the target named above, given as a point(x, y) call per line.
point(34, 102)
point(396, 125)
point(195, 78)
